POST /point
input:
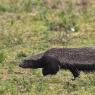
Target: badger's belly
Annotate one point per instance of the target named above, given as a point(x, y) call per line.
point(85, 67)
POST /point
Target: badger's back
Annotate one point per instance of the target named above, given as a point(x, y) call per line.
point(73, 55)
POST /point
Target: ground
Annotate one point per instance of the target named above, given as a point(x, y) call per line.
point(24, 33)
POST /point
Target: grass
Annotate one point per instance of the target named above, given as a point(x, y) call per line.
point(25, 31)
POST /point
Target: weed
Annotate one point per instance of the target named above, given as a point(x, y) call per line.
point(2, 56)
point(31, 26)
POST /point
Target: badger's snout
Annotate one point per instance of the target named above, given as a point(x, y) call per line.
point(23, 64)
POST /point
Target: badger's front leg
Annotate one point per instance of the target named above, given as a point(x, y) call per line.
point(74, 71)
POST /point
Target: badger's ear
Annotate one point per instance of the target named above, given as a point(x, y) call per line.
point(52, 65)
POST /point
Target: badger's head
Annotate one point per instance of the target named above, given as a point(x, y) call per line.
point(30, 63)
point(48, 64)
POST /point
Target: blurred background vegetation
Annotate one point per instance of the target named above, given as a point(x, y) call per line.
point(33, 26)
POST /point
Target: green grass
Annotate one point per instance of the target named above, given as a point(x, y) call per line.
point(24, 32)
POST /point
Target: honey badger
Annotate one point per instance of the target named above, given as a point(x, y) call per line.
point(54, 59)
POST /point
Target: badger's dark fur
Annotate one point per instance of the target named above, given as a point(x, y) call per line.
point(73, 59)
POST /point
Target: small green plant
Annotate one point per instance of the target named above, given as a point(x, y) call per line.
point(28, 6)
point(21, 55)
point(2, 8)
point(41, 87)
point(24, 85)
point(2, 56)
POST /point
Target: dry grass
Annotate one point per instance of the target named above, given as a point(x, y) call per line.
point(24, 32)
